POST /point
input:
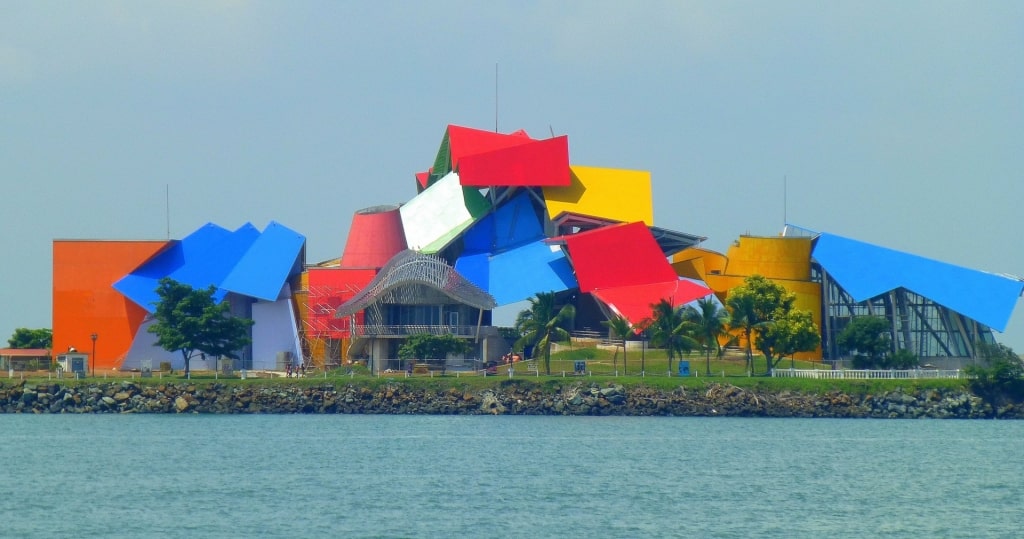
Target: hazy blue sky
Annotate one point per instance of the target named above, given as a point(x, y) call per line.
point(895, 123)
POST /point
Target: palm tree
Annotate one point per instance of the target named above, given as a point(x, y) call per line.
point(620, 327)
point(541, 322)
point(743, 317)
point(712, 322)
point(671, 330)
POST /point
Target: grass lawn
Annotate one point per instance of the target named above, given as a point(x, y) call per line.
point(647, 368)
point(654, 362)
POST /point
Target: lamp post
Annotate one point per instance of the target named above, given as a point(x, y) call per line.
point(643, 353)
point(92, 357)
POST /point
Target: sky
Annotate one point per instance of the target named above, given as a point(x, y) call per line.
point(894, 123)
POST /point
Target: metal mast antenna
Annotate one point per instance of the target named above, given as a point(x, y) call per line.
point(785, 218)
point(495, 97)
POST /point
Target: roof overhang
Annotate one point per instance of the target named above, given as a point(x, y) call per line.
point(411, 268)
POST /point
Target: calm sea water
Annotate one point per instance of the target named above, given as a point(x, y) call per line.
point(458, 476)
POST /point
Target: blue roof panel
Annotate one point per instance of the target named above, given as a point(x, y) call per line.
point(520, 273)
point(511, 224)
point(213, 264)
point(267, 264)
point(140, 285)
point(865, 271)
point(474, 268)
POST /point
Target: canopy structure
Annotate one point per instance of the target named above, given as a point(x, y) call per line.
point(672, 242)
point(411, 268)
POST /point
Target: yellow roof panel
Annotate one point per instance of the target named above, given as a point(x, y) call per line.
point(621, 195)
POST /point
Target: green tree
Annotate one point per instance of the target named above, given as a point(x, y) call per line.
point(31, 338)
point(712, 322)
point(669, 329)
point(755, 307)
point(189, 321)
point(792, 333)
point(867, 338)
point(743, 317)
point(999, 376)
point(541, 323)
point(620, 328)
point(432, 347)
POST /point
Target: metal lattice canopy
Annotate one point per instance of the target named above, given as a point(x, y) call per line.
point(401, 280)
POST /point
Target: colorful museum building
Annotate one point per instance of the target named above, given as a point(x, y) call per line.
point(496, 219)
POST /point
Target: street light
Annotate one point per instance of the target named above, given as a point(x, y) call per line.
point(92, 357)
point(643, 353)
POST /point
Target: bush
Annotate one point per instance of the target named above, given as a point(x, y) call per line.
point(900, 359)
point(863, 362)
point(1000, 377)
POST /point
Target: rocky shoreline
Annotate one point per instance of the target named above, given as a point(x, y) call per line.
point(715, 399)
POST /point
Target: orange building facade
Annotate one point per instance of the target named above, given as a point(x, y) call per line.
point(86, 304)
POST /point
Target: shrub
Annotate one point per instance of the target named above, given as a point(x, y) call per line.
point(1000, 376)
point(902, 359)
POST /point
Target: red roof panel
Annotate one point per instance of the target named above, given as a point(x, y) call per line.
point(534, 164)
point(463, 141)
point(618, 255)
point(422, 178)
point(634, 302)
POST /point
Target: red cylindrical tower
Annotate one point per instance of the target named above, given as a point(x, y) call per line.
point(375, 236)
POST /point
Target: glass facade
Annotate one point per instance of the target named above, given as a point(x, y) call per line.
point(918, 324)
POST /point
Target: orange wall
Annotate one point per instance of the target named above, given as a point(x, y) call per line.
point(84, 301)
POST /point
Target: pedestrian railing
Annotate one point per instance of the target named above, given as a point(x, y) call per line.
point(869, 374)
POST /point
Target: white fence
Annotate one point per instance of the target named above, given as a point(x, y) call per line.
point(865, 374)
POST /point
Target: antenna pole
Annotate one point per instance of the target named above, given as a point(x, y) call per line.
point(167, 207)
point(785, 200)
point(495, 97)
